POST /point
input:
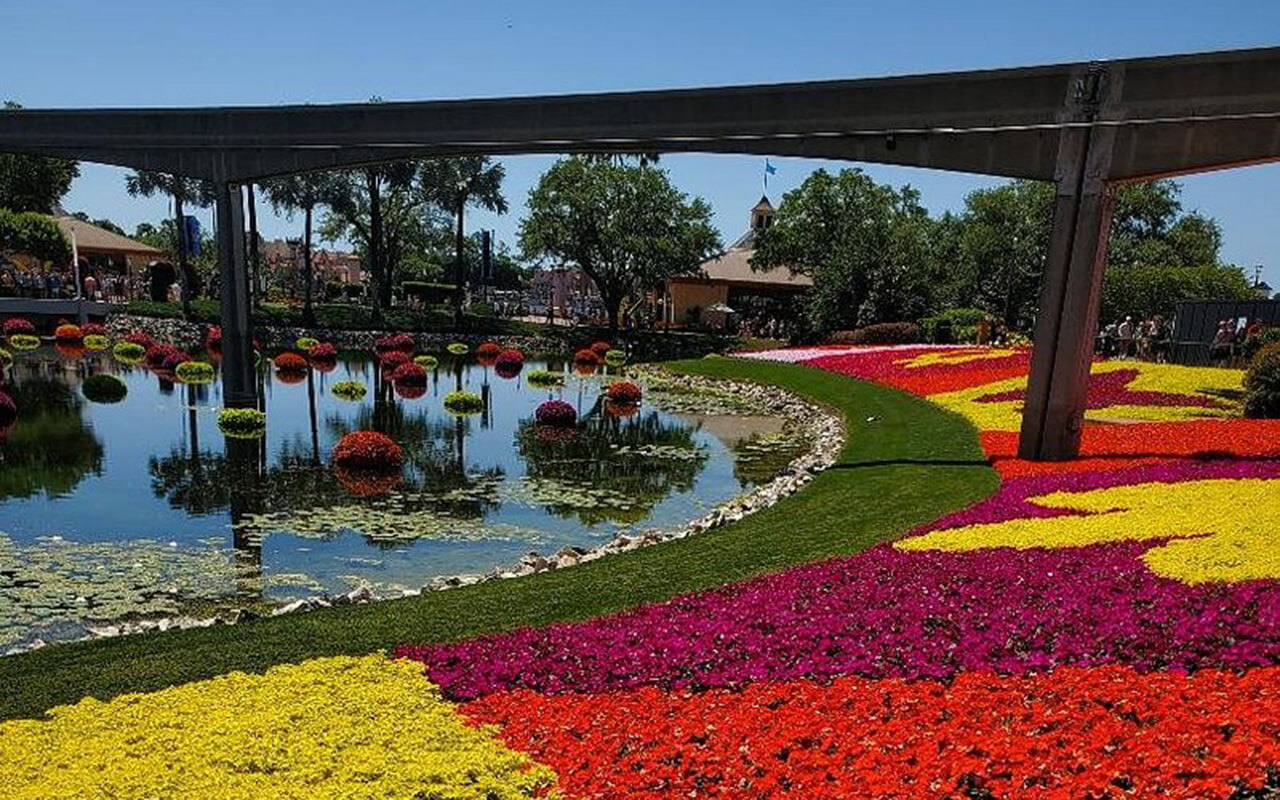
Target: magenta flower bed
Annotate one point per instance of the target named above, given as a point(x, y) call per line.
point(887, 613)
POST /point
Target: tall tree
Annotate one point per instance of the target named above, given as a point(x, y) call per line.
point(184, 191)
point(33, 183)
point(625, 226)
point(301, 193)
point(453, 184)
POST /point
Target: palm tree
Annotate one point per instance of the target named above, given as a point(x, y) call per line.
point(300, 193)
point(453, 184)
point(183, 190)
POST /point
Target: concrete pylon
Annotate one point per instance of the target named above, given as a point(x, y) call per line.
point(239, 379)
point(1057, 389)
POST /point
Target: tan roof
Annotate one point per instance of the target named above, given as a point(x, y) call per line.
point(91, 237)
point(735, 267)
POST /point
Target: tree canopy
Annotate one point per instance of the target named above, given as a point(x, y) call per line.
point(34, 235)
point(33, 183)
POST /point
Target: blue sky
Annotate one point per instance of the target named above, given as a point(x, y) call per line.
point(144, 53)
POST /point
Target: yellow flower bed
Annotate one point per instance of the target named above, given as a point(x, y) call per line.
point(936, 358)
point(1172, 378)
point(1221, 530)
point(329, 728)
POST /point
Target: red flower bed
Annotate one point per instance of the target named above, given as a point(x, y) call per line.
point(367, 450)
point(139, 338)
point(93, 329)
point(623, 393)
point(290, 362)
point(157, 354)
point(17, 326)
point(71, 349)
point(68, 333)
point(173, 359)
point(8, 410)
point(323, 352)
point(892, 367)
point(402, 342)
point(1075, 734)
point(600, 348)
point(556, 414)
point(508, 363)
point(409, 374)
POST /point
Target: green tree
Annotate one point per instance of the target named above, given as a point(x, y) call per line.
point(1004, 242)
point(184, 191)
point(1148, 227)
point(35, 235)
point(625, 226)
point(33, 183)
point(453, 184)
point(300, 193)
point(862, 243)
point(1144, 290)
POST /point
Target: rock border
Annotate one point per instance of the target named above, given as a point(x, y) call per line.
point(823, 428)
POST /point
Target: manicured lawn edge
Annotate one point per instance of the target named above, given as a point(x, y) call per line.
point(905, 462)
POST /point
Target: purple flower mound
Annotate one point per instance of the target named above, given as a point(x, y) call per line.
point(887, 613)
point(556, 413)
point(8, 410)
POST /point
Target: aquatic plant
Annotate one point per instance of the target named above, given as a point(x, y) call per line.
point(242, 423)
point(96, 343)
point(195, 372)
point(409, 374)
point(290, 362)
point(623, 393)
point(615, 358)
point(104, 389)
point(22, 341)
point(17, 326)
point(426, 361)
point(68, 333)
point(305, 343)
point(463, 403)
point(367, 450)
point(556, 414)
point(349, 390)
point(129, 352)
point(458, 349)
point(545, 379)
point(8, 410)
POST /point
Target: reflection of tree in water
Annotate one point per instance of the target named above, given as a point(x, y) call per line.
point(602, 457)
point(49, 449)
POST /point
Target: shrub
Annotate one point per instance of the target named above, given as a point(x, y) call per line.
point(242, 423)
point(174, 360)
point(545, 379)
point(305, 343)
point(600, 348)
point(68, 333)
point(22, 341)
point(458, 349)
point(93, 329)
point(953, 325)
point(886, 333)
point(290, 362)
point(426, 362)
point(487, 353)
point(96, 343)
point(367, 450)
point(615, 358)
point(15, 326)
point(623, 393)
point(409, 374)
point(322, 351)
point(556, 414)
point(463, 403)
point(104, 389)
point(1262, 384)
point(349, 390)
point(8, 410)
point(194, 372)
point(129, 352)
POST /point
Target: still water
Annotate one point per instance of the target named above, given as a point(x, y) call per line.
point(142, 507)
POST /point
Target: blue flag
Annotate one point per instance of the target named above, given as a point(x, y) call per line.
point(769, 169)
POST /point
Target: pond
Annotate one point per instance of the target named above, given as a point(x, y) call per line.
point(139, 506)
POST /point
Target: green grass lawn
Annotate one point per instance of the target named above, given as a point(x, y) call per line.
point(905, 462)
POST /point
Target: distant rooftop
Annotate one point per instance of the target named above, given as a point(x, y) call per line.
point(91, 237)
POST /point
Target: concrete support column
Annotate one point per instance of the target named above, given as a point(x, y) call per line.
point(239, 378)
point(1057, 390)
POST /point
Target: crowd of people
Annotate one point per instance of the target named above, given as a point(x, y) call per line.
point(1145, 340)
point(61, 285)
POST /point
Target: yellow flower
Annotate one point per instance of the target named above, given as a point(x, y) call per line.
point(1221, 530)
point(329, 728)
point(958, 355)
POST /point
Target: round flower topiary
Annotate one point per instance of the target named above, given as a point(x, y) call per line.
point(509, 363)
point(157, 353)
point(586, 361)
point(104, 389)
point(410, 391)
point(463, 403)
point(545, 379)
point(242, 423)
point(174, 360)
point(6, 358)
point(322, 351)
point(141, 339)
point(399, 341)
point(367, 483)
point(305, 343)
point(487, 353)
point(129, 352)
point(290, 362)
point(17, 326)
point(367, 450)
point(8, 410)
point(623, 393)
point(615, 358)
point(70, 349)
point(426, 362)
point(600, 348)
point(68, 333)
point(556, 414)
point(93, 329)
point(96, 343)
point(22, 341)
point(195, 372)
point(349, 390)
point(458, 349)
point(213, 337)
point(409, 374)
point(392, 360)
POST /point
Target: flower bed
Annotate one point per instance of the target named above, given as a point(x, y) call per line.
point(195, 372)
point(17, 326)
point(409, 374)
point(68, 333)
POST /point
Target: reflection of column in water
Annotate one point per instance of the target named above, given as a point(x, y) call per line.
point(193, 425)
point(246, 467)
point(457, 373)
point(311, 406)
point(486, 415)
point(459, 439)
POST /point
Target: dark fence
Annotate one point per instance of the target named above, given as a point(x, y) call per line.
point(1197, 322)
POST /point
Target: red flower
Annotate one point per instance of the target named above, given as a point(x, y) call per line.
point(140, 338)
point(68, 333)
point(366, 483)
point(17, 326)
point(600, 348)
point(323, 352)
point(93, 329)
point(213, 337)
point(509, 363)
point(623, 393)
point(367, 450)
point(586, 361)
point(487, 353)
point(290, 363)
point(157, 354)
point(556, 414)
point(410, 391)
point(173, 359)
point(409, 374)
point(402, 342)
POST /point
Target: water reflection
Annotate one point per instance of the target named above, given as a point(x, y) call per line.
point(50, 449)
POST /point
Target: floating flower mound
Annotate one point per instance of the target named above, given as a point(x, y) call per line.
point(322, 351)
point(462, 403)
point(350, 727)
point(349, 390)
point(213, 337)
point(22, 341)
point(129, 352)
point(242, 423)
point(93, 329)
point(68, 333)
point(157, 353)
point(8, 410)
point(104, 389)
point(17, 326)
point(487, 353)
point(173, 360)
point(1071, 733)
point(586, 361)
point(409, 374)
point(601, 349)
point(290, 368)
point(426, 362)
point(409, 391)
point(623, 393)
point(508, 363)
point(143, 340)
point(556, 414)
point(69, 349)
point(545, 379)
point(458, 349)
point(392, 360)
point(194, 372)
point(367, 483)
point(95, 343)
point(615, 358)
point(305, 343)
point(367, 450)
point(401, 342)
